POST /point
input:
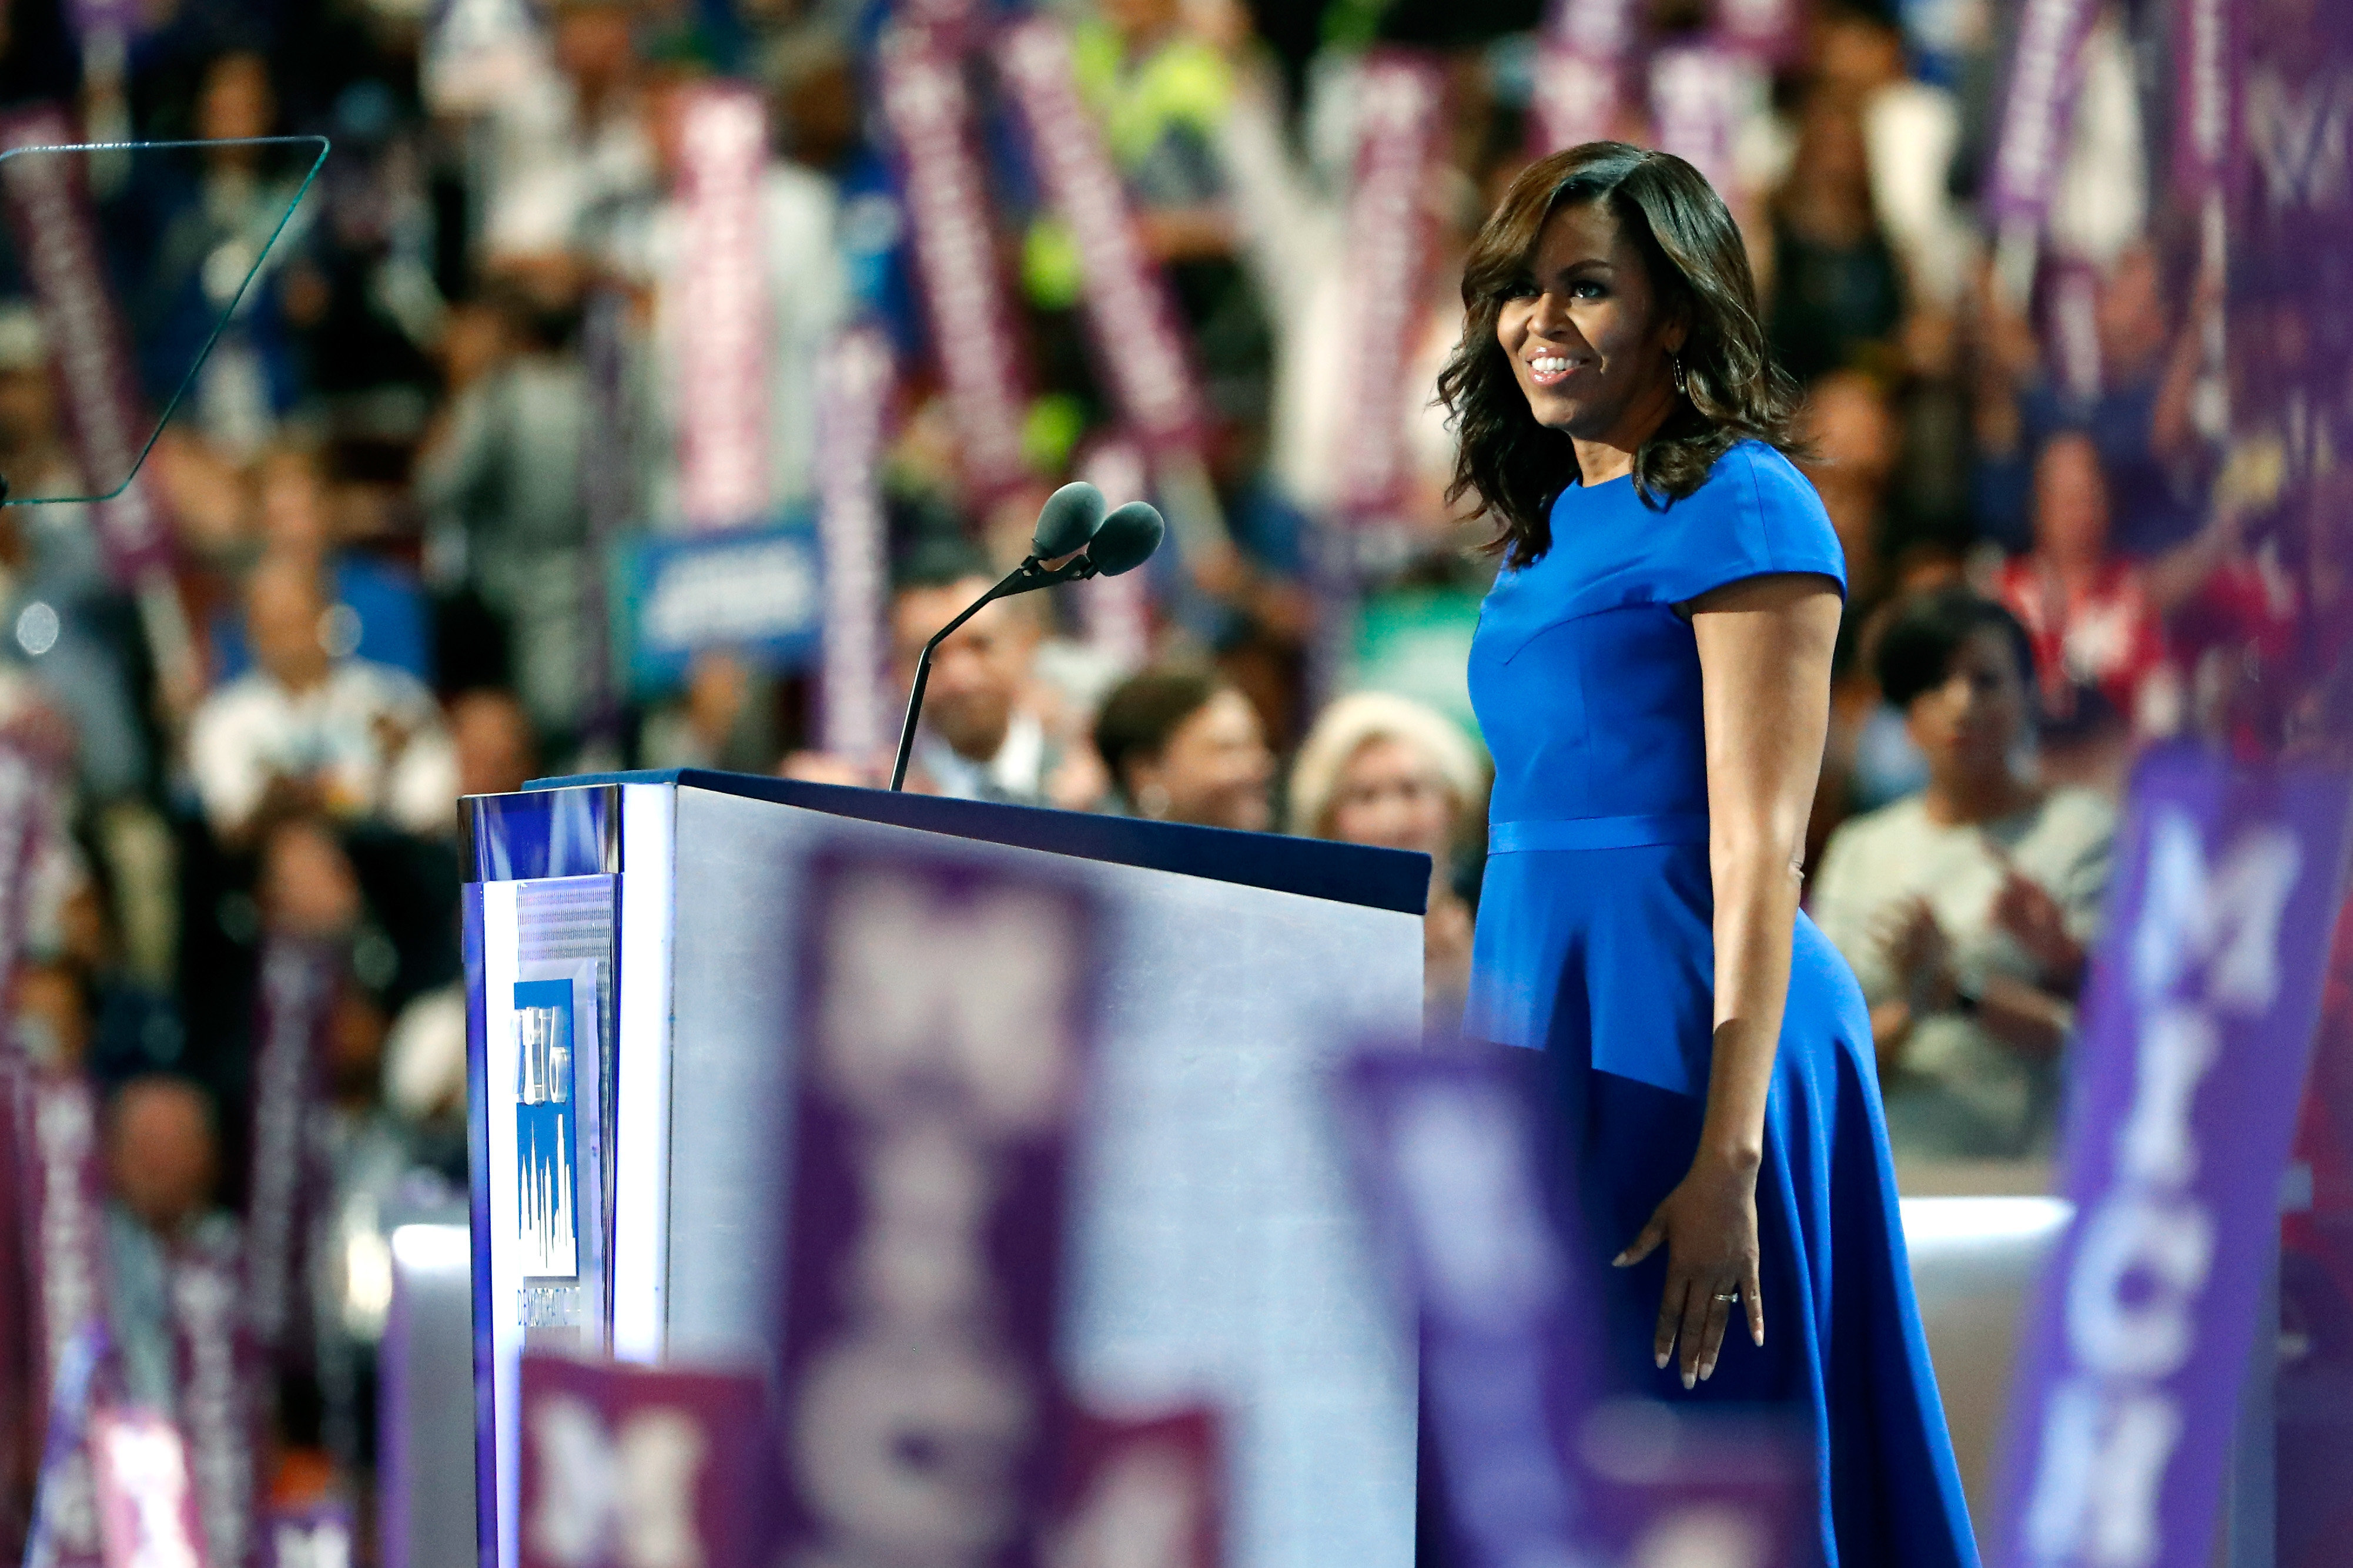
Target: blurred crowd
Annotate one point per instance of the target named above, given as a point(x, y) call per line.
point(2061, 543)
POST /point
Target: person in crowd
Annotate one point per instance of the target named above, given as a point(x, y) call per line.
point(1182, 745)
point(2097, 618)
point(1651, 671)
point(1966, 909)
point(500, 476)
point(1385, 770)
point(724, 719)
point(491, 736)
point(567, 150)
point(378, 611)
point(305, 730)
point(982, 736)
point(162, 1161)
point(1838, 292)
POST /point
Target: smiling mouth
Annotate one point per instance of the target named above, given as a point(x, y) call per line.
point(1549, 369)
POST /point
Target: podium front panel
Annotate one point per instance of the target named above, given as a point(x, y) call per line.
point(1217, 1255)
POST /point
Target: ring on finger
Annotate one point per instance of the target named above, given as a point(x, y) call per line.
point(1728, 1296)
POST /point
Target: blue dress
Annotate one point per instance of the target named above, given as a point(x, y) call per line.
point(1594, 944)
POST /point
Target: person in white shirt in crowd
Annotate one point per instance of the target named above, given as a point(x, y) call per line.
point(306, 731)
point(1967, 908)
point(982, 737)
point(1385, 770)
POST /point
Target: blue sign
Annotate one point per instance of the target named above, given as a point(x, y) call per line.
point(756, 592)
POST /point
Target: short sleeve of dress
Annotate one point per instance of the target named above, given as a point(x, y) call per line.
point(1756, 515)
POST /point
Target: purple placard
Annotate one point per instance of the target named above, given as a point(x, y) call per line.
point(2208, 65)
point(1771, 31)
point(2197, 1027)
point(949, 1017)
point(2035, 116)
point(1129, 313)
point(147, 1502)
point(50, 211)
point(722, 306)
point(1116, 612)
point(66, 1225)
point(218, 1377)
point(1533, 1465)
point(1581, 73)
point(929, 113)
point(626, 1465)
point(1401, 104)
point(858, 379)
point(1697, 92)
point(64, 1503)
point(292, 1010)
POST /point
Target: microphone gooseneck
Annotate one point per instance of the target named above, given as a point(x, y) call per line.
point(1071, 520)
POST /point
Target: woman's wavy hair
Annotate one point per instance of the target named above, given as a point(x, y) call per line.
point(1699, 267)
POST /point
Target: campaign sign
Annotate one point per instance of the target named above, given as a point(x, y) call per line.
point(948, 1017)
point(758, 592)
point(1533, 1463)
point(146, 1504)
point(2198, 1026)
point(626, 1466)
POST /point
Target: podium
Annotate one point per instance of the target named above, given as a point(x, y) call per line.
point(631, 1017)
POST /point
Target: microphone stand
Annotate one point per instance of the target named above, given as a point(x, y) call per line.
point(1023, 578)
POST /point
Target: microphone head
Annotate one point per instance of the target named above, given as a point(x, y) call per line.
point(1127, 539)
point(1067, 521)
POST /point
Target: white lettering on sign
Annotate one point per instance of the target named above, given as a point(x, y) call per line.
point(2205, 951)
point(738, 593)
point(624, 1496)
point(945, 1032)
point(147, 1470)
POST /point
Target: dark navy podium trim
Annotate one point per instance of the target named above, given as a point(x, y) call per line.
point(1344, 873)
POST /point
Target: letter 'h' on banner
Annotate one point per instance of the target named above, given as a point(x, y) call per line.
point(2197, 1028)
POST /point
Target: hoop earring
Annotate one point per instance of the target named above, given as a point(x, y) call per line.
point(1682, 382)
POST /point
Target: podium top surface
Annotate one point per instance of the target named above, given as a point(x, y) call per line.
point(1346, 873)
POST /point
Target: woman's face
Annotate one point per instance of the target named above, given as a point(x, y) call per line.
point(1214, 770)
point(2071, 500)
point(1391, 795)
point(1968, 727)
point(1587, 339)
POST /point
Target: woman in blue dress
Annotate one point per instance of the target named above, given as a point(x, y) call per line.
point(1651, 670)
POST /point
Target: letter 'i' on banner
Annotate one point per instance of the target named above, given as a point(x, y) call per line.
point(1581, 73)
point(1452, 1153)
point(722, 308)
point(2197, 1028)
point(1128, 310)
point(858, 381)
point(1116, 612)
point(948, 1018)
point(624, 1465)
point(929, 110)
point(292, 1011)
point(147, 1502)
point(1401, 115)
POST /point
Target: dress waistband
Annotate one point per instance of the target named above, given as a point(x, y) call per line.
point(1599, 832)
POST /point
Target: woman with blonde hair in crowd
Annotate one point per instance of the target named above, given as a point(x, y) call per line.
point(1385, 770)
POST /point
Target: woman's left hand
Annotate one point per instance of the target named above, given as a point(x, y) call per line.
point(1708, 1226)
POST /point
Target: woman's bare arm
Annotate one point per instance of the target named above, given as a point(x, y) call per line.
point(1765, 663)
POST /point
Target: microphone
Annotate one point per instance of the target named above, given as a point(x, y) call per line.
point(1070, 524)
